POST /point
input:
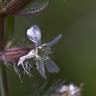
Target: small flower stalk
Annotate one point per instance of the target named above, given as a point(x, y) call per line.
point(40, 53)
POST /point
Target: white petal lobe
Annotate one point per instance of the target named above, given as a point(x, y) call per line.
point(34, 34)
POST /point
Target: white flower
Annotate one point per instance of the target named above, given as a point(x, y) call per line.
point(40, 53)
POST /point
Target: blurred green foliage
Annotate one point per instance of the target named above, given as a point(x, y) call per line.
point(75, 54)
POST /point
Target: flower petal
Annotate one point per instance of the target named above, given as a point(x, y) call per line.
point(40, 67)
point(34, 34)
point(51, 66)
point(54, 41)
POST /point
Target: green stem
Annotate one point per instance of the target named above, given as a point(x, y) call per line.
point(3, 74)
point(3, 81)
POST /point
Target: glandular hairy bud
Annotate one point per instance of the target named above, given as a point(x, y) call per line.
point(13, 54)
point(66, 90)
point(15, 6)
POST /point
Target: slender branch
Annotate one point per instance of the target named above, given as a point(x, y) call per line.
point(2, 21)
point(3, 81)
point(3, 75)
